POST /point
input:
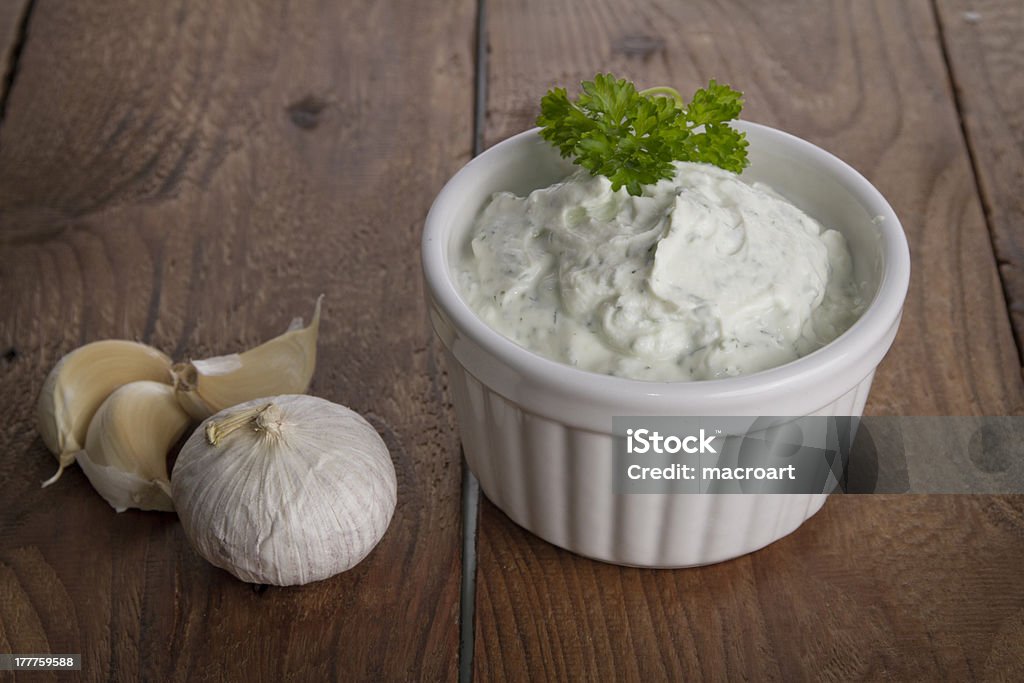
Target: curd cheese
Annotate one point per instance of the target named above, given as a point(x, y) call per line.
point(703, 276)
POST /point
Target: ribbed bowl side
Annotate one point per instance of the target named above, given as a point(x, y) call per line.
point(556, 481)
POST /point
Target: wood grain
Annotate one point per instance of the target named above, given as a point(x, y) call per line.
point(984, 43)
point(913, 587)
point(872, 588)
point(193, 175)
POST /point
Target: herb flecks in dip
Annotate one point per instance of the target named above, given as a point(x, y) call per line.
point(703, 276)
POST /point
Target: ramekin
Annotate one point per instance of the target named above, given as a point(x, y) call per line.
point(538, 434)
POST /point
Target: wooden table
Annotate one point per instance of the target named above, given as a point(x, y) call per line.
point(191, 174)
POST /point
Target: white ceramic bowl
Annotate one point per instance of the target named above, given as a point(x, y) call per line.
point(537, 433)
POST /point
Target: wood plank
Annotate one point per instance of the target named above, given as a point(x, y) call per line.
point(193, 175)
point(12, 19)
point(895, 588)
point(984, 45)
point(873, 587)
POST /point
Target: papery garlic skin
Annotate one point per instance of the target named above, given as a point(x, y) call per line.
point(283, 365)
point(125, 456)
point(81, 381)
point(295, 489)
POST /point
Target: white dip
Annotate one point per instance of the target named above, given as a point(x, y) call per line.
point(703, 276)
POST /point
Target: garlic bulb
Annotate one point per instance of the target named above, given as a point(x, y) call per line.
point(283, 365)
point(81, 381)
point(284, 490)
point(125, 456)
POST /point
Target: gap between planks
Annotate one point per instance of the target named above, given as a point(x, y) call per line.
point(13, 32)
point(470, 486)
point(986, 209)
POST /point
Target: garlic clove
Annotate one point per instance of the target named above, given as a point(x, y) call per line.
point(125, 456)
point(81, 381)
point(283, 365)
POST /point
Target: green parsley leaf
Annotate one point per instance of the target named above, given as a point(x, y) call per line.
point(632, 138)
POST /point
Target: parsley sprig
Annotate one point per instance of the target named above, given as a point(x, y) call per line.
point(633, 137)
